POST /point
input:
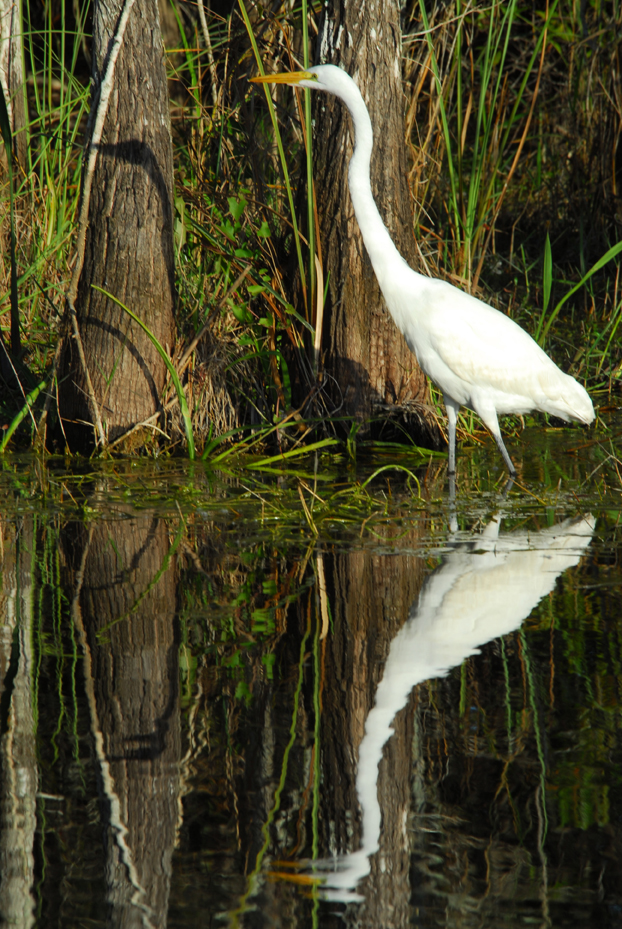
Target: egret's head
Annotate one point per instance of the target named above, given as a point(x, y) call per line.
point(299, 78)
point(320, 77)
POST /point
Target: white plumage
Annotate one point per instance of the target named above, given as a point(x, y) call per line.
point(477, 356)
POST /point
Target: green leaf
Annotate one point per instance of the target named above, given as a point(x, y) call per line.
point(236, 207)
point(241, 314)
point(301, 450)
point(264, 230)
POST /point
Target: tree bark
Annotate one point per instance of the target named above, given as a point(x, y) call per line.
point(12, 74)
point(129, 243)
point(373, 369)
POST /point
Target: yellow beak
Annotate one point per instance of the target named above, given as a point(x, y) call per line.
point(284, 77)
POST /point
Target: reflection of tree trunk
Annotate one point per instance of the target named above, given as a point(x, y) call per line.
point(18, 754)
point(370, 600)
point(127, 611)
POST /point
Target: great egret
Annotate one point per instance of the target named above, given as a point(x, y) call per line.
point(477, 356)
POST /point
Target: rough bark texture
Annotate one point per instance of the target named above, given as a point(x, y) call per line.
point(366, 354)
point(129, 246)
point(12, 73)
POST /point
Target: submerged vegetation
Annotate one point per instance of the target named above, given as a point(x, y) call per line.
point(513, 123)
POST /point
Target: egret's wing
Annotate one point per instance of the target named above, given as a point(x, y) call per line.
point(484, 347)
point(482, 354)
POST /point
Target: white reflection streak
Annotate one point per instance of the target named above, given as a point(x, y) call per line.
point(484, 589)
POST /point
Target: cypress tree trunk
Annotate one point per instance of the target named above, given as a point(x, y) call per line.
point(12, 74)
point(129, 243)
point(372, 367)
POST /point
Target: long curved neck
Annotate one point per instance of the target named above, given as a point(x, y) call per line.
point(378, 242)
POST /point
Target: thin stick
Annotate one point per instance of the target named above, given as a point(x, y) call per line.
point(210, 53)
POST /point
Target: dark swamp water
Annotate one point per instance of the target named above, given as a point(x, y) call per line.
point(292, 699)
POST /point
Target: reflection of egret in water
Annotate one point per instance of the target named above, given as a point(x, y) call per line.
point(484, 589)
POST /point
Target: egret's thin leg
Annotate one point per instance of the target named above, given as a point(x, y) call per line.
point(504, 452)
point(496, 434)
point(488, 415)
point(452, 415)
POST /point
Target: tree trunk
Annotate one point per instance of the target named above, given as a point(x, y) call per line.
point(373, 369)
point(129, 243)
point(12, 74)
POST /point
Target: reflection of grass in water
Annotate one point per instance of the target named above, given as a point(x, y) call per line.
point(551, 713)
point(54, 641)
point(252, 881)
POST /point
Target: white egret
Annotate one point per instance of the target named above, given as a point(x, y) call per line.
point(477, 356)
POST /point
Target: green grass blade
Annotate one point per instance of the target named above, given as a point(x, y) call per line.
point(547, 274)
point(279, 143)
point(494, 57)
point(183, 405)
point(7, 135)
point(23, 413)
point(611, 253)
point(392, 467)
point(302, 450)
point(444, 120)
point(309, 134)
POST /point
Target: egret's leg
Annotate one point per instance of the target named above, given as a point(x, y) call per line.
point(490, 420)
point(452, 415)
point(504, 452)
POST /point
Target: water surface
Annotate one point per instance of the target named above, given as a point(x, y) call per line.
point(290, 699)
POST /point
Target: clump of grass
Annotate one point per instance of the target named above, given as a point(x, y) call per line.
point(46, 189)
point(513, 132)
point(513, 141)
